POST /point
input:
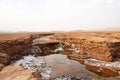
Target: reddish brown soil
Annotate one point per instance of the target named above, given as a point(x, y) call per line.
point(15, 45)
point(102, 71)
point(12, 47)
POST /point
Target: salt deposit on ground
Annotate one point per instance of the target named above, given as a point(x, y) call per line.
point(71, 77)
point(94, 62)
point(35, 50)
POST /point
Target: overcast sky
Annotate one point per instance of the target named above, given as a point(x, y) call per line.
point(46, 15)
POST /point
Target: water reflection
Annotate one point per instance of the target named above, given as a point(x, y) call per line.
point(61, 65)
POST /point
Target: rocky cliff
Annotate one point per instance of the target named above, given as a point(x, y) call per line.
point(13, 46)
point(99, 45)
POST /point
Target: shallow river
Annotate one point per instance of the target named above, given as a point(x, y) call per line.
point(59, 67)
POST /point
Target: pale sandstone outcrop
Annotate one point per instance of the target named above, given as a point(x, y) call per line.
point(19, 73)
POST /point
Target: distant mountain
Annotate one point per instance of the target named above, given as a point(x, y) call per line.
point(113, 29)
point(5, 31)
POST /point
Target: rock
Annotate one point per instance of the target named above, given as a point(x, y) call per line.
point(45, 40)
point(1, 66)
point(16, 45)
point(19, 73)
point(4, 58)
point(47, 45)
point(103, 46)
point(105, 72)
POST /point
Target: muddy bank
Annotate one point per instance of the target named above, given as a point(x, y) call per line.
point(103, 46)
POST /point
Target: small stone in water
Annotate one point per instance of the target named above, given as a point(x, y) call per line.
point(36, 50)
point(47, 70)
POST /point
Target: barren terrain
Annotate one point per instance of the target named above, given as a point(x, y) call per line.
point(102, 48)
